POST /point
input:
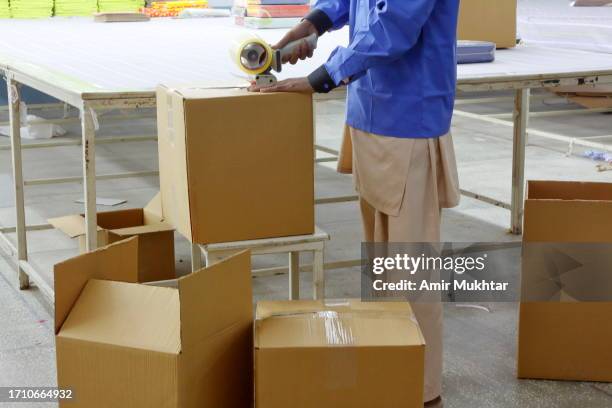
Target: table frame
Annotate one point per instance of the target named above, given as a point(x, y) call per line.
point(88, 102)
point(292, 245)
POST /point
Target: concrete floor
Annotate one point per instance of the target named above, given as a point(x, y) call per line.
point(479, 345)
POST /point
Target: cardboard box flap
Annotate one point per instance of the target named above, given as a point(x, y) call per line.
point(216, 298)
point(174, 191)
point(143, 229)
point(117, 262)
point(127, 315)
point(208, 92)
point(567, 211)
point(568, 190)
point(342, 323)
point(71, 225)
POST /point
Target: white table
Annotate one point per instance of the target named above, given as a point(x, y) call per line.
point(94, 66)
point(292, 246)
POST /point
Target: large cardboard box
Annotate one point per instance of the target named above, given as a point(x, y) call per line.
point(565, 225)
point(488, 20)
point(156, 244)
point(236, 165)
point(338, 355)
point(133, 345)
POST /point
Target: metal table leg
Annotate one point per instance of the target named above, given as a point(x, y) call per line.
point(89, 175)
point(520, 115)
point(20, 227)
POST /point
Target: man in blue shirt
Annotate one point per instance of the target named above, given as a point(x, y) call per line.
point(400, 69)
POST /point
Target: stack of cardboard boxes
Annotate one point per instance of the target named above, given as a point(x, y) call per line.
point(189, 343)
point(233, 166)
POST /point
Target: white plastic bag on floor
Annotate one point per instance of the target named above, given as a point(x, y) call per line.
point(34, 130)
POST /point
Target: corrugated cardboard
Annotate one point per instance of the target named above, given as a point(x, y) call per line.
point(566, 340)
point(593, 102)
point(487, 20)
point(585, 90)
point(589, 96)
point(132, 345)
point(156, 259)
point(337, 355)
point(236, 165)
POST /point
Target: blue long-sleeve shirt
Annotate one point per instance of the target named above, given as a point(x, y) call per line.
point(400, 64)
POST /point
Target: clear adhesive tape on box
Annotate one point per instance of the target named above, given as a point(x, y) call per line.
point(238, 45)
point(336, 320)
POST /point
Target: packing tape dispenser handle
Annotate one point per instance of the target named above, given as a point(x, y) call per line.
point(288, 49)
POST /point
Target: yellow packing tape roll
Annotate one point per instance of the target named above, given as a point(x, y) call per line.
point(238, 45)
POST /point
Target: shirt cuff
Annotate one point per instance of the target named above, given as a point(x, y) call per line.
point(320, 80)
point(320, 20)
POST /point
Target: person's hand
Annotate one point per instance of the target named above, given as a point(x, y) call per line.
point(286, 85)
point(303, 50)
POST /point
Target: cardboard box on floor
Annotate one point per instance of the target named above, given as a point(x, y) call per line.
point(338, 355)
point(592, 102)
point(156, 245)
point(488, 20)
point(134, 345)
point(236, 165)
point(565, 340)
point(588, 96)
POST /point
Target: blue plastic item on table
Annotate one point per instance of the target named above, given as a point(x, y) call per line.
point(471, 52)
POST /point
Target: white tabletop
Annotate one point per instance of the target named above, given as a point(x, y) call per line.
point(85, 57)
point(556, 23)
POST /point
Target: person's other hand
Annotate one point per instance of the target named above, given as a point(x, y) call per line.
point(303, 50)
point(286, 85)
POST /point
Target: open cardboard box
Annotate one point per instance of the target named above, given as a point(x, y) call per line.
point(338, 354)
point(156, 244)
point(123, 344)
point(564, 338)
point(235, 165)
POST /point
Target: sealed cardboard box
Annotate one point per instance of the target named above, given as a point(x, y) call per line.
point(156, 245)
point(566, 308)
point(488, 20)
point(344, 354)
point(133, 345)
point(236, 165)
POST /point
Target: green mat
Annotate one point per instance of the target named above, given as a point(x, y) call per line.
point(76, 7)
point(120, 5)
point(5, 11)
point(31, 8)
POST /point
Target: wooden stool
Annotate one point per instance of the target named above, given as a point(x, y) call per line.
point(291, 245)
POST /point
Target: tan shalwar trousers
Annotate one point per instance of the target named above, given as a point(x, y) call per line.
point(403, 184)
